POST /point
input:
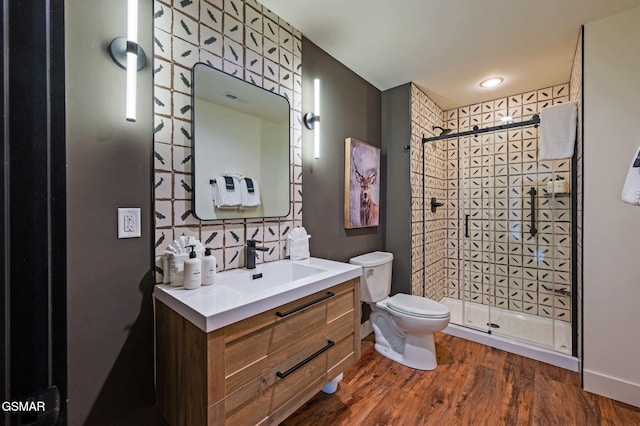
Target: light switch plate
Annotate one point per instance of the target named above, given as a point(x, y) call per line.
point(128, 222)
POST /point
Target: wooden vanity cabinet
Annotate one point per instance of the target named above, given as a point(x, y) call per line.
point(258, 370)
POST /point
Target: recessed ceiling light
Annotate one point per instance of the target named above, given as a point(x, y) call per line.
point(491, 82)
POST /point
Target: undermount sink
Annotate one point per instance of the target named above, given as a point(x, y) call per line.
point(240, 293)
point(267, 275)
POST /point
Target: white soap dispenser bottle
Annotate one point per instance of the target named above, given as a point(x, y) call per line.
point(192, 270)
point(208, 268)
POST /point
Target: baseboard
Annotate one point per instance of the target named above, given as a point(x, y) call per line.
point(611, 387)
point(365, 329)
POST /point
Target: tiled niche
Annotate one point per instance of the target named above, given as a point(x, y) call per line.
point(244, 39)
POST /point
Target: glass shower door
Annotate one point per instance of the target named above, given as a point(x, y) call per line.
point(513, 254)
point(524, 240)
point(475, 258)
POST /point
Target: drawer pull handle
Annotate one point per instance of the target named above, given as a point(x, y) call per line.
point(301, 307)
point(330, 343)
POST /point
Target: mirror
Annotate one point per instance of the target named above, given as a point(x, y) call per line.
point(239, 130)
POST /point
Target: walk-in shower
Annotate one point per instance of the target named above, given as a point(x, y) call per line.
point(508, 239)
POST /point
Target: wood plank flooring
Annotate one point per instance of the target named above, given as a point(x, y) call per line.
point(473, 385)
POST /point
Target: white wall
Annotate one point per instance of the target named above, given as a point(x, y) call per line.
point(611, 227)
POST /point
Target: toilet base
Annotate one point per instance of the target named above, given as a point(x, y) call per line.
point(419, 351)
point(406, 339)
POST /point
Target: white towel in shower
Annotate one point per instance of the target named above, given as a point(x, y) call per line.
point(558, 130)
point(223, 197)
point(631, 189)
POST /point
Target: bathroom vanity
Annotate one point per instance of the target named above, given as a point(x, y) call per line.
point(255, 346)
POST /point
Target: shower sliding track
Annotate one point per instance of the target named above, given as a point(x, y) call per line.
point(535, 120)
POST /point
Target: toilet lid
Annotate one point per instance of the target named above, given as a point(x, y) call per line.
point(417, 306)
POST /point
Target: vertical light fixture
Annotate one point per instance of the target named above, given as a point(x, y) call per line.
point(312, 119)
point(316, 107)
point(132, 58)
point(128, 55)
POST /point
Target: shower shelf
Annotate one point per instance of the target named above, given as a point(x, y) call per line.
point(558, 194)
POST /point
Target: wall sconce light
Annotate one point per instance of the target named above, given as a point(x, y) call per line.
point(312, 119)
point(128, 55)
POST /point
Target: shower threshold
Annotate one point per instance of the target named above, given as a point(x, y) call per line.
point(522, 334)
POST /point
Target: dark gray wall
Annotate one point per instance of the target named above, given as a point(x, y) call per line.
point(396, 134)
point(110, 318)
point(350, 107)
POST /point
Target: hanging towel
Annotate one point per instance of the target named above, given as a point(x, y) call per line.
point(558, 131)
point(250, 192)
point(631, 190)
point(226, 192)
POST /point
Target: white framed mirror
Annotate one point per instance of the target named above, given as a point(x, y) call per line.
point(241, 148)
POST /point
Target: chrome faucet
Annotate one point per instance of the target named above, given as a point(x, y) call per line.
point(251, 254)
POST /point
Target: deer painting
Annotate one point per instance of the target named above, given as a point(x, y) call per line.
point(368, 209)
point(361, 184)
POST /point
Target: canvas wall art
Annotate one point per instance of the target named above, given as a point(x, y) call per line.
point(362, 184)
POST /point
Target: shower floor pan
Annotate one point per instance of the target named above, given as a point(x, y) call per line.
point(515, 332)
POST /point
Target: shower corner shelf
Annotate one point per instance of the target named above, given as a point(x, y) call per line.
point(558, 194)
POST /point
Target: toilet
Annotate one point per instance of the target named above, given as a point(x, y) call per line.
point(403, 324)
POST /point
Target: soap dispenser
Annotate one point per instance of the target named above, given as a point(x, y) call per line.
point(208, 268)
point(558, 186)
point(192, 270)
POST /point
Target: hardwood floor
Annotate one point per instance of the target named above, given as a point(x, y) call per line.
point(473, 385)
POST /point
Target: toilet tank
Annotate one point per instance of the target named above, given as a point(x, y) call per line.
point(375, 281)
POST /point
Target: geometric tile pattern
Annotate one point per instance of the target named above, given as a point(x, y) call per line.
point(575, 93)
point(428, 272)
point(243, 39)
point(488, 179)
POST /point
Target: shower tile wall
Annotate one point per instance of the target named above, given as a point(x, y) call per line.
point(424, 115)
point(575, 93)
point(504, 265)
point(246, 40)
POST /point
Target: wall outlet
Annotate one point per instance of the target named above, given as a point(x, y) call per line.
point(128, 223)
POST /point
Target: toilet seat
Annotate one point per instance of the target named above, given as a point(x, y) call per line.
point(417, 306)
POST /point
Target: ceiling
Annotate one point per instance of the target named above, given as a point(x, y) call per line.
point(448, 46)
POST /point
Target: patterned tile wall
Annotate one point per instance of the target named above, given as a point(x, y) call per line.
point(424, 115)
point(575, 93)
point(244, 39)
point(488, 178)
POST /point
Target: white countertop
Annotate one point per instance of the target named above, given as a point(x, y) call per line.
point(236, 296)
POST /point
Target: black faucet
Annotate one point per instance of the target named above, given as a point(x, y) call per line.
point(251, 253)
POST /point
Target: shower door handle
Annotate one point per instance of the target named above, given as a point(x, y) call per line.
point(532, 193)
point(466, 226)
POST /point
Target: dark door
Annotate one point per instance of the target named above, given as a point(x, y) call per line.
point(33, 212)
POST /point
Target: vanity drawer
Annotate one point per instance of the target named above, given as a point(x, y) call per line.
point(258, 344)
point(229, 375)
point(297, 378)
